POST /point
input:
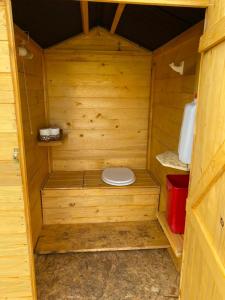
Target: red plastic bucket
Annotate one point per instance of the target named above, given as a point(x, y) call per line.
point(177, 187)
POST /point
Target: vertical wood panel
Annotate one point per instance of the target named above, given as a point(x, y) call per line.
point(16, 259)
point(34, 117)
point(206, 209)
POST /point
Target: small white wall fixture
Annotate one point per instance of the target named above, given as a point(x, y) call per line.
point(179, 68)
point(24, 52)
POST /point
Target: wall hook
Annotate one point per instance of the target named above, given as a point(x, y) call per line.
point(178, 68)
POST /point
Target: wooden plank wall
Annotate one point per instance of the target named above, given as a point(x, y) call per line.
point(170, 93)
point(16, 271)
point(32, 99)
point(98, 88)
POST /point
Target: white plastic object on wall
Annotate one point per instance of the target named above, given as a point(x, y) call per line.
point(178, 68)
point(187, 133)
point(23, 52)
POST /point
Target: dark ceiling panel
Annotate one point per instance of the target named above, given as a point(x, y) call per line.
point(152, 26)
point(52, 21)
point(101, 14)
point(48, 21)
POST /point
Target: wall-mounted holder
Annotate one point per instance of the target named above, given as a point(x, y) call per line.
point(170, 159)
point(58, 142)
point(24, 52)
point(178, 68)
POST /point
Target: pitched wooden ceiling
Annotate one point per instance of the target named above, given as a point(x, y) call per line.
point(52, 21)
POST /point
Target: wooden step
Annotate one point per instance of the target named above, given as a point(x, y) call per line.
point(101, 237)
point(82, 197)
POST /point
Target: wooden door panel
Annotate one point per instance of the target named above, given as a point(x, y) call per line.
point(203, 268)
point(211, 213)
point(210, 131)
point(199, 282)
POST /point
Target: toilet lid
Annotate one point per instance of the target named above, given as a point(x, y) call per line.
point(118, 176)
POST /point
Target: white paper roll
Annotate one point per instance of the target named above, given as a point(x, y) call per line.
point(45, 132)
point(55, 131)
point(187, 133)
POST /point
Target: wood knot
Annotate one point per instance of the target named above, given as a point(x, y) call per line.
point(222, 222)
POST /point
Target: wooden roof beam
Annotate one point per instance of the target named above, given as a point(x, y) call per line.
point(118, 14)
point(179, 3)
point(84, 15)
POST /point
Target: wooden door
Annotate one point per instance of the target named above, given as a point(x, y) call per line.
point(17, 279)
point(203, 269)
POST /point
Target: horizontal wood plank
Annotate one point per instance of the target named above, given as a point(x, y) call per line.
point(101, 237)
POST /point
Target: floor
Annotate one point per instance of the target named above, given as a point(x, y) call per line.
point(64, 238)
point(132, 275)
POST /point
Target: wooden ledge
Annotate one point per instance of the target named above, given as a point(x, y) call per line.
point(175, 240)
point(101, 237)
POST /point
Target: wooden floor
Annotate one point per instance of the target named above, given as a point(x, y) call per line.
point(101, 237)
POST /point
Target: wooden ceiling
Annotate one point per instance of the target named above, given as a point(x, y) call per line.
point(52, 21)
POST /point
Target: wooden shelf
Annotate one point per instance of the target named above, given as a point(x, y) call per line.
point(53, 143)
point(170, 159)
point(175, 240)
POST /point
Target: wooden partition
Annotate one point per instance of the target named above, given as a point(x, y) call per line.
point(16, 260)
point(32, 98)
point(170, 92)
point(98, 87)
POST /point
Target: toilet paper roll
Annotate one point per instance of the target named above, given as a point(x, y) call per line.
point(54, 131)
point(45, 132)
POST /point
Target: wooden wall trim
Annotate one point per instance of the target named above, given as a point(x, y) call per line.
point(179, 3)
point(85, 16)
point(213, 36)
point(151, 98)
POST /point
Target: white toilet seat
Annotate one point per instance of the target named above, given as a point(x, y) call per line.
point(118, 176)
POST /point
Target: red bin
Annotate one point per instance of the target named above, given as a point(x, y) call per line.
point(177, 187)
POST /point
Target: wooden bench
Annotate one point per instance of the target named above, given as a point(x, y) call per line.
point(82, 197)
point(82, 214)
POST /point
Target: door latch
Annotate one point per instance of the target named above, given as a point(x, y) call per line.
point(16, 154)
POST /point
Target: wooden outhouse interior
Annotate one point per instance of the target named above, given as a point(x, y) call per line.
point(101, 72)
